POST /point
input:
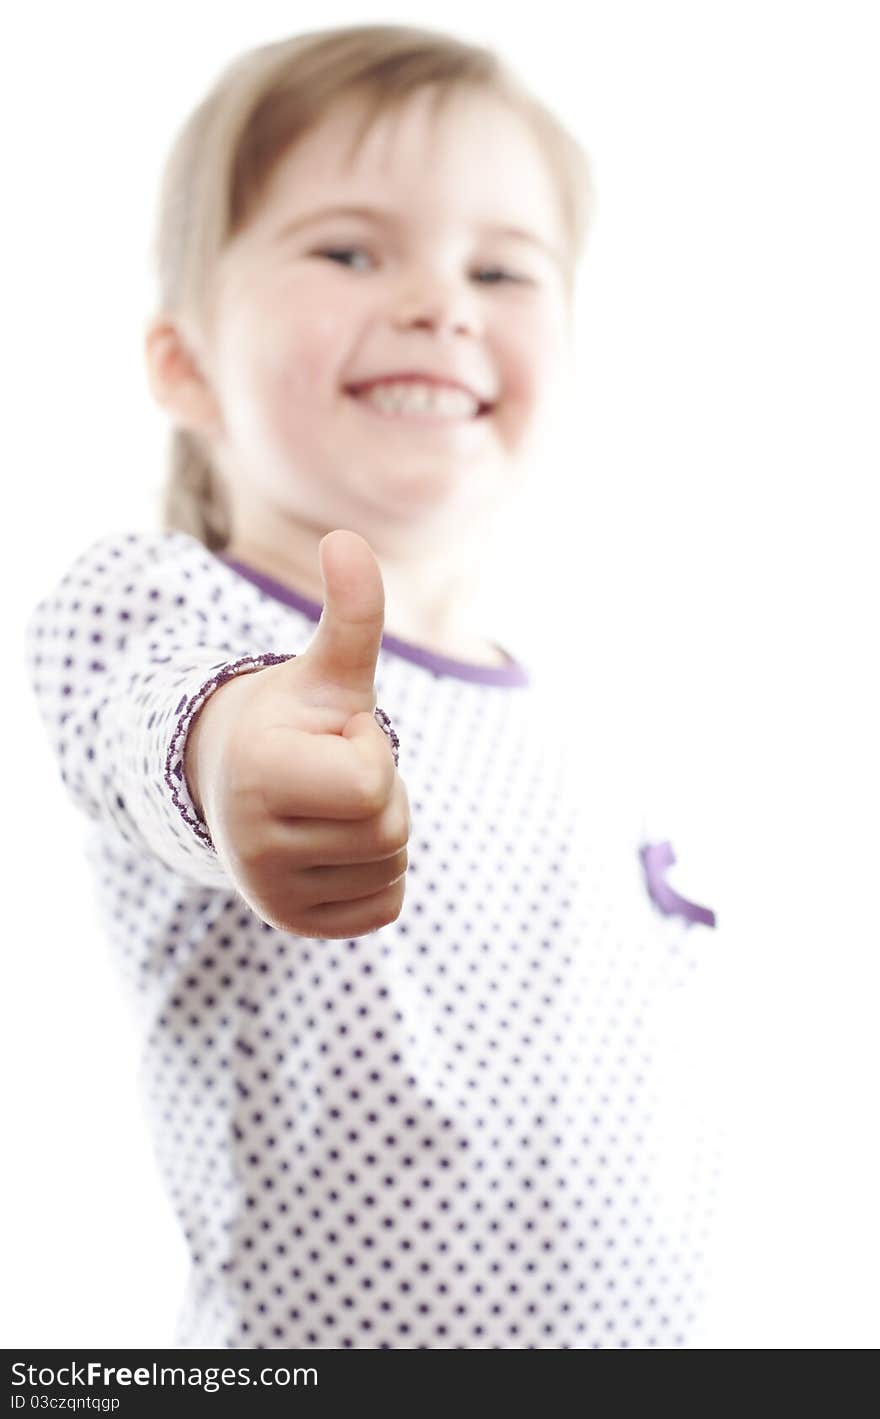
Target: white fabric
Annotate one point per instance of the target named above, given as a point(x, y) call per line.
point(466, 1129)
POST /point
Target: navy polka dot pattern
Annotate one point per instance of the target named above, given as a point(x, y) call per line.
point(446, 1133)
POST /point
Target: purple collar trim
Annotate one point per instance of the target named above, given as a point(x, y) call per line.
point(513, 674)
point(655, 858)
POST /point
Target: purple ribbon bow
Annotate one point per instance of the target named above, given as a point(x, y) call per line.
point(655, 858)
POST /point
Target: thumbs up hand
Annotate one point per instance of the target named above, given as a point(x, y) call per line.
point(296, 780)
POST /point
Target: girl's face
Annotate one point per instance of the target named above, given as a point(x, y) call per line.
point(309, 302)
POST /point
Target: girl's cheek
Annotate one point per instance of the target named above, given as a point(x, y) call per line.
point(310, 332)
point(528, 368)
point(523, 379)
point(300, 379)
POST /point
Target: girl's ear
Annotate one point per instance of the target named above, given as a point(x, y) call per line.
point(176, 379)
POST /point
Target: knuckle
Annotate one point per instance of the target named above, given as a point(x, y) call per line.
point(252, 851)
point(371, 789)
point(398, 892)
point(399, 828)
point(405, 809)
point(391, 833)
point(396, 865)
point(388, 910)
point(332, 921)
point(269, 856)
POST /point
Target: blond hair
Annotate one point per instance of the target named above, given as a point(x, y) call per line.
point(223, 157)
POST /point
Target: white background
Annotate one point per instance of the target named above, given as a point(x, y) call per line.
point(698, 563)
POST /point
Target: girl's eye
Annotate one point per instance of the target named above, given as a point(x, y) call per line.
point(336, 251)
point(505, 275)
point(339, 253)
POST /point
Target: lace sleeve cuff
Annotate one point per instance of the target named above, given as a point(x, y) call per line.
point(186, 711)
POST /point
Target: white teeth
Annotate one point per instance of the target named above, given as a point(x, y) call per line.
point(407, 397)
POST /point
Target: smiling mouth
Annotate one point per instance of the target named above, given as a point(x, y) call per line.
point(412, 415)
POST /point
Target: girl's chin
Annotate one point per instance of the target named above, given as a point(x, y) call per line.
point(438, 491)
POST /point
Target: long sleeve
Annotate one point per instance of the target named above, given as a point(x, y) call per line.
point(516, 1021)
point(121, 656)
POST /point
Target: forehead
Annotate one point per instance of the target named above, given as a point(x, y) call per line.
point(474, 154)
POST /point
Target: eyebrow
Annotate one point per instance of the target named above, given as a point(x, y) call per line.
point(382, 217)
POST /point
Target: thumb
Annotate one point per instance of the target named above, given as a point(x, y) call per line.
point(344, 649)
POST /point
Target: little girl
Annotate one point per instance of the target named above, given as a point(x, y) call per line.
point(399, 973)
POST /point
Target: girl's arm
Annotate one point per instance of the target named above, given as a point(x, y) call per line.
point(121, 655)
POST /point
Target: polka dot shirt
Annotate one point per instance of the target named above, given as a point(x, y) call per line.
point(450, 1132)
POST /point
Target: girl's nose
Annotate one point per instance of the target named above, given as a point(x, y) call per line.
point(434, 303)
